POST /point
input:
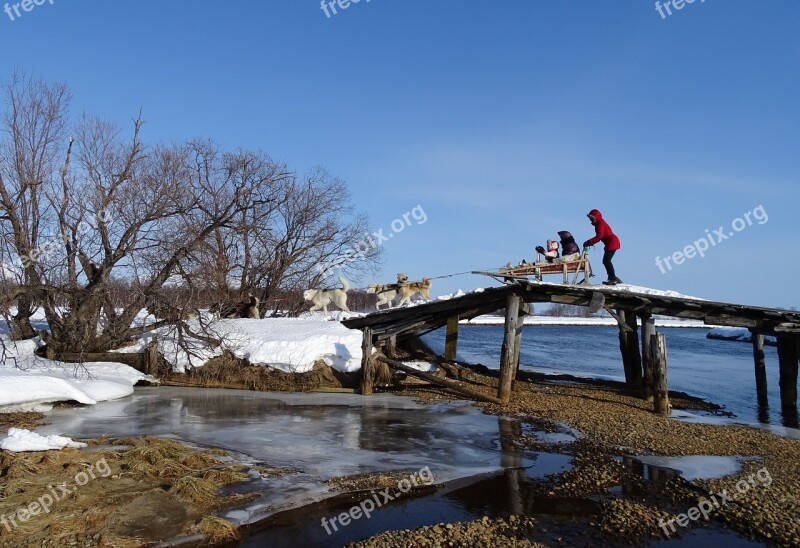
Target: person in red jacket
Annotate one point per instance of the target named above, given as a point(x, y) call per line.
point(603, 233)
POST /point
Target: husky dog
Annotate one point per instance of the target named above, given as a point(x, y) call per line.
point(386, 294)
point(321, 298)
point(409, 289)
point(164, 311)
point(242, 309)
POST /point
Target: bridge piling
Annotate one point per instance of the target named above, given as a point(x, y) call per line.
point(787, 363)
point(658, 356)
point(648, 330)
point(451, 338)
point(509, 354)
point(760, 368)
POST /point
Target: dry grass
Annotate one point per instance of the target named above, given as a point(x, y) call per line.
point(192, 489)
point(189, 477)
point(228, 371)
point(217, 530)
point(21, 420)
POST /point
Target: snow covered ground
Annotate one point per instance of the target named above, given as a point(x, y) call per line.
point(289, 344)
point(28, 382)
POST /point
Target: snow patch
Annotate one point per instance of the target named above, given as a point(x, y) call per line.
point(28, 382)
point(289, 344)
point(20, 439)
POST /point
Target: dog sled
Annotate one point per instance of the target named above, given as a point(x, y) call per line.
point(540, 268)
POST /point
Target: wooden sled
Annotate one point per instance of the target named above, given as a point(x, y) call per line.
point(540, 268)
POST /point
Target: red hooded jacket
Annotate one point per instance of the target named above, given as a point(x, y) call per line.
point(603, 233)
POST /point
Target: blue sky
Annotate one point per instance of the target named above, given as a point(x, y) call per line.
point(505, 121)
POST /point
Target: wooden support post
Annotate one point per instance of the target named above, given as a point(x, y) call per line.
point(760, 368)
point(451, 339)
point(632, 349)
point(151, 358)
point(787, 362)
point(624, 346)
point(367, 365)
point(648, 330)
point(658, 357)
point(524, 310)
point(508, 352)
point(390, 347)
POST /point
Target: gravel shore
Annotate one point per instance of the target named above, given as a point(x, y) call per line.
point(761, 502)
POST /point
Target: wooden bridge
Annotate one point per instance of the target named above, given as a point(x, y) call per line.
point(644, 364)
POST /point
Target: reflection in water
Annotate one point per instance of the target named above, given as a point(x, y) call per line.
point(790, 418)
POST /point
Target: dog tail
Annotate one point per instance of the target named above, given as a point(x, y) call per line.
point(345, 284)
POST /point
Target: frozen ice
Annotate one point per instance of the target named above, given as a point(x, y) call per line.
point(320, 435)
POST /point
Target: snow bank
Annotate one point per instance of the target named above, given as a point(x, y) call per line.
point(736, 334)
point(19, 440)
point(288, 344)
point(28, 382)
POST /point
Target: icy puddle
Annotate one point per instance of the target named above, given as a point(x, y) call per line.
point(561, 520)
point(323, 436)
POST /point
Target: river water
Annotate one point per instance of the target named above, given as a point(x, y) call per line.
point(718, 371)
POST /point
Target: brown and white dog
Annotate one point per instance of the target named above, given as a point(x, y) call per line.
point(408, 289)
point(242, 309)
point(386, 294)
point(321, 298)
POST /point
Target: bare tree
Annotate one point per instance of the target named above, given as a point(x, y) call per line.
point(281, 246)
point(97, 227)
point(33, 127)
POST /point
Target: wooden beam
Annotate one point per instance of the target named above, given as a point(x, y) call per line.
point(730, 321)
point(788, 328)
point(760, 369)
point(787, 362)
point(451, 338)
point(623, 325)
point(524, 310)
point(632, 348)
point(648, 330)
point(569, 299)
point(658, 356)
point(509, 342)
point(390, 347)
point(368, 371)
point(597, 302)
point(623, 346)
point(472, 394)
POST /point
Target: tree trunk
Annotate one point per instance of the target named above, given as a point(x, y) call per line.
point(21, 328)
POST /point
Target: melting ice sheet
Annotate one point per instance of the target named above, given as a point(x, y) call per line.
point(322, 435)
point(694, 467)
point(685, 416)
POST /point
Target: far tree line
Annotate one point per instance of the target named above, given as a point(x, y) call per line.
point(99, 224)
